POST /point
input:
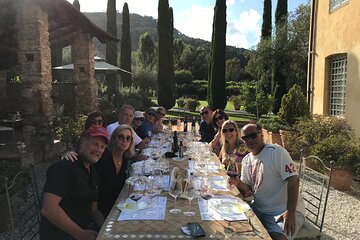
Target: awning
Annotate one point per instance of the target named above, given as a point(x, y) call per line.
point(99, 65)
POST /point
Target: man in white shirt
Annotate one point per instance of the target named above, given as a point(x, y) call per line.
point(126, 116)
point(269, 173)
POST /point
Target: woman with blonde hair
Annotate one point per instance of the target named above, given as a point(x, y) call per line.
point(113, 166)
point(218, 118)
point(233, 146)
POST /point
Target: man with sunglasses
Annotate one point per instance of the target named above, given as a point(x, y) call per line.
point(147, 126)
point(207, 131)
point(269, 173)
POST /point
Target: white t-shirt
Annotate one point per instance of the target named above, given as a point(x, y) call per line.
point(266, 173)
point(110, 128)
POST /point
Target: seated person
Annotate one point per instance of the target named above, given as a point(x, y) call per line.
point(270, 174)
point(70, 193)
point(158, 121)
point(207, 131)
point(136, 124)
point(218, 118)
point(232, 146)
point(126, 116)
point(147, 125)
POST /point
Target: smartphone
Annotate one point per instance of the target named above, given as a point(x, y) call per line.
point(195, 229)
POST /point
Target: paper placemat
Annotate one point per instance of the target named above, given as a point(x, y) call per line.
point(156, 211)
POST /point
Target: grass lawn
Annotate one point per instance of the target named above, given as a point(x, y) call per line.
point(239, 116)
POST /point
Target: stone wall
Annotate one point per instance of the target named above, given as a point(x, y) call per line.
point(35, 64)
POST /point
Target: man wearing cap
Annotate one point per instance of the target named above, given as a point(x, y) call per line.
point(136, 124)
point(148, 125)
point(160, 113)
point(69, 208)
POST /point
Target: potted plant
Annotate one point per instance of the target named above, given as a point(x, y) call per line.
point(271, 125)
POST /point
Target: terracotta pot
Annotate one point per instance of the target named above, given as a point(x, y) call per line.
point(341, 179)
point(283, 136)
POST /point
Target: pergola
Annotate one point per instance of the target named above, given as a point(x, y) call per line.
point(31, 31)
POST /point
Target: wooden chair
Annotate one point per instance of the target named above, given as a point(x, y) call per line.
point(23, 203)
point(314, 187)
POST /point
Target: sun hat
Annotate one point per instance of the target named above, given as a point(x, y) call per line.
point(97, 131)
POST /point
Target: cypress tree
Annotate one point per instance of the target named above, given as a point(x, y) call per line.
point(279, 62)
point(111, 47)
point(266, 27)
point(165, 79)
point(216, 94)
point(76, 4)
point(125, 54)
point(266, 32)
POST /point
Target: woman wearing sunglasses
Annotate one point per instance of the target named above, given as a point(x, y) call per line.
point(233, 146)
point(218, 118)
point(112, 168)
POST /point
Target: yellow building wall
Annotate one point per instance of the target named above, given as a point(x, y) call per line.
point(337, 32)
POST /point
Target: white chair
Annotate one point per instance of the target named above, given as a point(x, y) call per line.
point(314, 187)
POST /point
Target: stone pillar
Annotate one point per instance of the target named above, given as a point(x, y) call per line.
point(86, 88)
point(35, 65)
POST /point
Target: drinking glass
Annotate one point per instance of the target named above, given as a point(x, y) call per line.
point(206, 193)
point(190, 193)
point(175, 190)
point(233, 169)
point(137, 193)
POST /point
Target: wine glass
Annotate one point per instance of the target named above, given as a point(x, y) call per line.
point(206, 193)
point(190, 193)
point(137, 193)
point(175, 190)
point(233, 169)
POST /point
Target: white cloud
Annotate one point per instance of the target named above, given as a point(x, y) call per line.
point(246, 25)
point(195, 21)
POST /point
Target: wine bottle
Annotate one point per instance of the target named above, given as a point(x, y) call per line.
point(185, 125)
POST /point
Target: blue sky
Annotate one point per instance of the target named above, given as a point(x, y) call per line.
point(194, 17)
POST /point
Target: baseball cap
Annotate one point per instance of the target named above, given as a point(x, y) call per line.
point(138, 114)
point(97, 131)
point(150, 110)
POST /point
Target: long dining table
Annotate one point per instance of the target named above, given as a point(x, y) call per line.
point(169, 227)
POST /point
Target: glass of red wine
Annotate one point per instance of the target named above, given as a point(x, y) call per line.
point(233, 169)
point(206, 193)
point(137, 193)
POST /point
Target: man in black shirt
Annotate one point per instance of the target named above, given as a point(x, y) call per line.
point(207, 130)
point(70, 192)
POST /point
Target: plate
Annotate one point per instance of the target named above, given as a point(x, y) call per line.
point(229, 208)
point(131, 180)
point(131, 206)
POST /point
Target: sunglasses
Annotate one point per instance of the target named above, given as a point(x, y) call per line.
point(151, 114)
point(218, 118)
point(124, 138)
point(250, 136)
point(204, 113)
point(161, 113)
point(98, 122)
point(228, 130)
point(139, 119)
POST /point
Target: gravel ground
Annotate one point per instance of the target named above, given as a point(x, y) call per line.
point(342, 219)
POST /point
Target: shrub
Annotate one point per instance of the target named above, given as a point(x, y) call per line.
point(272, 123)
point(236, 101)
point(191, 104)
point(136, 97)
point(293, 106)
point(69, 129)
point(328, 137)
